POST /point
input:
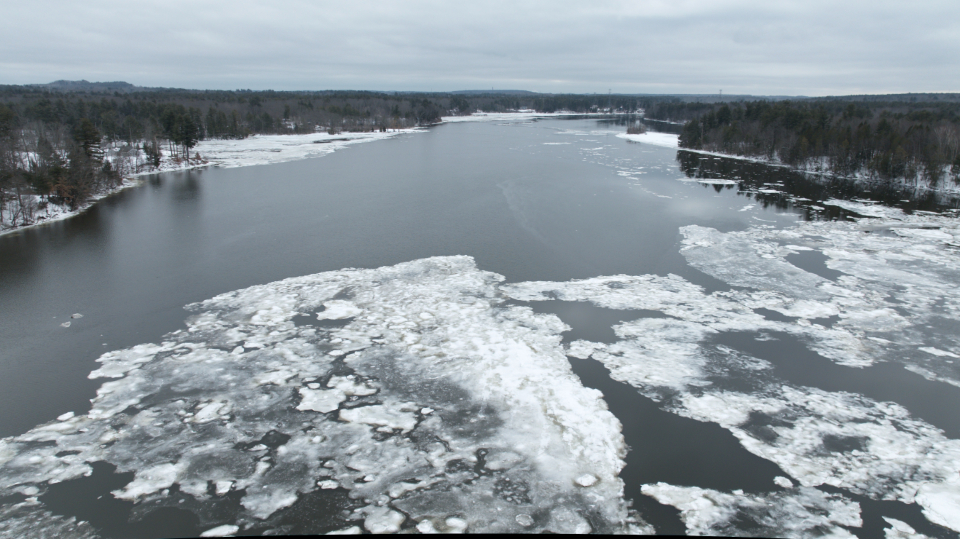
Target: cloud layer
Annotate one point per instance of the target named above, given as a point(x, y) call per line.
point(693, 46)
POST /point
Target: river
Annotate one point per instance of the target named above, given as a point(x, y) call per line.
point(698, 305)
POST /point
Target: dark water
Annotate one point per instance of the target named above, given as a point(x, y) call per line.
point(531, 201)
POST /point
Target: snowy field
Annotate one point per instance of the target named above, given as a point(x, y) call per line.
point(436, 404)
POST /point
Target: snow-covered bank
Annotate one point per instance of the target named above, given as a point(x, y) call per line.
point(250, 151)
point(227, 153)
point(820, 168)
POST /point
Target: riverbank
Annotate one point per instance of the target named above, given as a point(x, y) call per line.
point(250, 151)
point(946, 187)
point(226, 153)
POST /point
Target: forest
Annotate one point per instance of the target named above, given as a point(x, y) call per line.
point(53, 138)
point(912, 140)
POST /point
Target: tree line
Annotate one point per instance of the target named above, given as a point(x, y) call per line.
point(64, 143)
point(909, 141)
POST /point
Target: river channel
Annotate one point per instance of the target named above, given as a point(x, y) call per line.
point(571, 216)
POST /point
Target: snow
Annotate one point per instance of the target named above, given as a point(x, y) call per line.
point(667, 140)
point(487, 379)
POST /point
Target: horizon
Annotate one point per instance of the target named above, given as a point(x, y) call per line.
point(654, 48)
point(137, 87)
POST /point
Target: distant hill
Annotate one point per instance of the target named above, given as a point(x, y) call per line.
point(501, 92)
point(86, 86)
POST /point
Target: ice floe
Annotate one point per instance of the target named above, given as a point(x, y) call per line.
point(798, 512)
point(443, 407)
point(667, 140)
point(894, 301)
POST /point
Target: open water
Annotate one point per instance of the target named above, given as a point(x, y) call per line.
point(554, 201)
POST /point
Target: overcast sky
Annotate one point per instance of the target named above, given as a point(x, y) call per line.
point(770, 47)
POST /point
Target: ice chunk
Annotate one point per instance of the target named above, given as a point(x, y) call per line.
point(792, 513)
point(380, 416)
point(320, 400)
point(382, 520)
point(783, 482)
point(349, 386)
point(148, 481)
point(900, 530)
point(221, 531)
point(352, 530)
point(938, 353)
point(587, 480)
point(941, 502)
point(338, 310)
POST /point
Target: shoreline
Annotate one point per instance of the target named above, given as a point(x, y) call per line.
point(660, 139)
point(270, 149)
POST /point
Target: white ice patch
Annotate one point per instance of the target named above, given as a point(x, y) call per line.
point(893, 293)
point(338, 310)
point(667, 140)
point(799, 512)
point(938, 353)
point(716, 181)
point(381, 416)
point(221, 531)
point(900, 530)
point(320, 400)
point(438, 378)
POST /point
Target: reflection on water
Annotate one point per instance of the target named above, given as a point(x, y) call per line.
point(786, 189)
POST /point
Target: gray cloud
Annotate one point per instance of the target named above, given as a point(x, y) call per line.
point(812, 47)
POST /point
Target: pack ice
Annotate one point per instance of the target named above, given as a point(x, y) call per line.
point(896, 300)
point(414, 388)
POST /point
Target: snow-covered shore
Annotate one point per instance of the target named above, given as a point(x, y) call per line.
point(255, 150)
point(669, 140)
point(263, 150)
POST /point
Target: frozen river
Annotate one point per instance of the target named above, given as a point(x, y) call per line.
point(516, 326)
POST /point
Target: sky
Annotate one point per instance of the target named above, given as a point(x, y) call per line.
point(770, 47)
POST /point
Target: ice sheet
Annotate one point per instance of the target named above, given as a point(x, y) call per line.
point(440, 403)
point(796, 512)
point(895, 301)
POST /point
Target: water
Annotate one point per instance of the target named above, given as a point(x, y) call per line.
point(549, 200)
